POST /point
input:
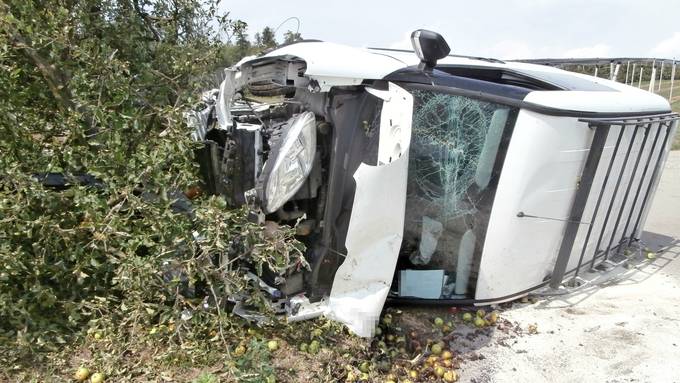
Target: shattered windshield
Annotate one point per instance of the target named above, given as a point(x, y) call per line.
point(452, 164)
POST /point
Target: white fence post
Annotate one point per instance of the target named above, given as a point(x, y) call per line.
point(616, 72)
point(640, 79)
point(627, 67)
point(595, 74)
point(652, 79)
point(660, 77)
point(670, 95)
point(632, 75)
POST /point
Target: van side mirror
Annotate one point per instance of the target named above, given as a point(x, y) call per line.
point(429, 47)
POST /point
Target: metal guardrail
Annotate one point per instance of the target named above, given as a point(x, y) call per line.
point(642, 128)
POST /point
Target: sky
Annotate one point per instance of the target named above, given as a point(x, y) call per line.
point(506, 29)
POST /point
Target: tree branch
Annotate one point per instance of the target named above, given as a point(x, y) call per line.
point(147, 20)
point(54, 78)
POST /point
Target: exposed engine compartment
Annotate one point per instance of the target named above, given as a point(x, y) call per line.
point(257, 131)
point(241, 149)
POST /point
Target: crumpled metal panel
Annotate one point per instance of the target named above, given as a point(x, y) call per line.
point(376, 226)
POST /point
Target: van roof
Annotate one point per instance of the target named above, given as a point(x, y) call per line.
point(337, 64)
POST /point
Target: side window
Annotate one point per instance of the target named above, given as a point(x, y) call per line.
point(455, 142)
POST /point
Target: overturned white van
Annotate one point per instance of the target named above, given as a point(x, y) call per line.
point(430, 177)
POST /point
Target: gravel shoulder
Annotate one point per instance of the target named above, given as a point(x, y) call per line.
point(623, 326)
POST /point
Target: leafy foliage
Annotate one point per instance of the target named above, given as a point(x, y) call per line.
point(291, 37)
point(266, 39)
point(100, 87)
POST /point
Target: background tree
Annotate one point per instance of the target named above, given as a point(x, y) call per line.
point(268, 38)
point(240, 32)
point(291, 37)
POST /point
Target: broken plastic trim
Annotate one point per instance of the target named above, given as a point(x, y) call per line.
point(363, 280)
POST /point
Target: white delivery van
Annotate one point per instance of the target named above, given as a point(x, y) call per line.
point(429, 177)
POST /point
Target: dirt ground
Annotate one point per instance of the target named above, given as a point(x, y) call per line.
point(623, 326)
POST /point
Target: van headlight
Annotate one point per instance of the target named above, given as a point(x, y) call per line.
point(290, 161)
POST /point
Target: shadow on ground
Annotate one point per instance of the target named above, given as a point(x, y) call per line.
point(653, 254)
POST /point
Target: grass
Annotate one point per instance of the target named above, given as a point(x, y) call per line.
point(675, 106)
point(206, 377)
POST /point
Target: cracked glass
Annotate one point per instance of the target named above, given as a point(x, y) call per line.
point(451, 183)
